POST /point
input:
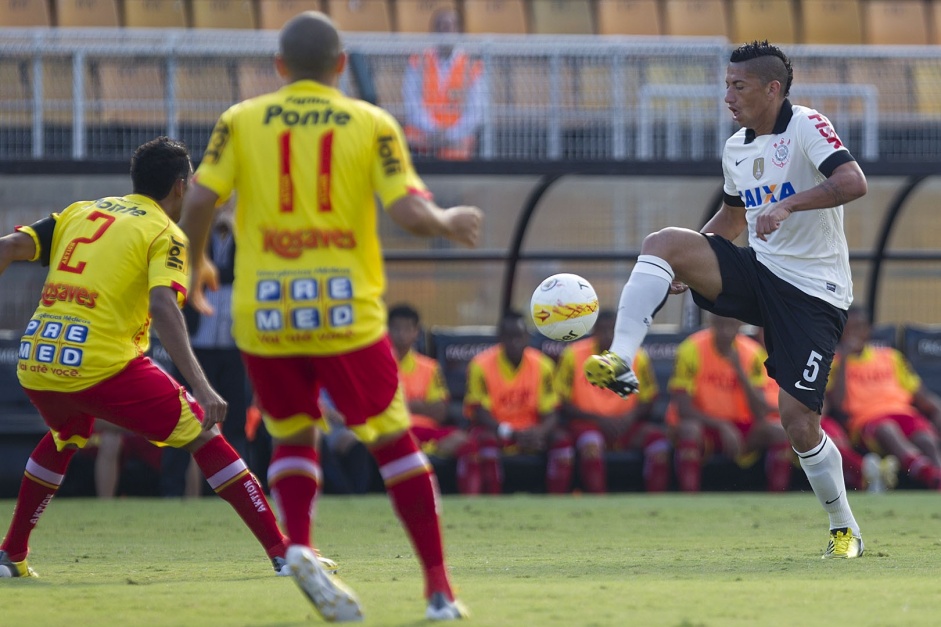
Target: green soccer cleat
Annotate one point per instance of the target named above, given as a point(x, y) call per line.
point(439, 608)
point(843, 545)
point(332, 598)
point(607, 370)
point(9, 568)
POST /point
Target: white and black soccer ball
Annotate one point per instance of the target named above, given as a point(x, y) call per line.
point(564, 307)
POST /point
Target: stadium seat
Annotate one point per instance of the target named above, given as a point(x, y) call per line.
point(256, 77)
point(896, 22)
point(361, 15)
point(763, 19)
point(204, 90)
point(272, 14)
point(57, 86)
point(25, 13)
point(696, 18)
point(454, 347)
point(629, 17)
point(87, 13)
point(831, 22)
point(129, 92)
point(495, 16)
point(223, 14)
point(561, 17)
point(16, 96)
point(414, 16)
point(936, 22)
point(155, 14)
point(927, 77)
point(922, 347)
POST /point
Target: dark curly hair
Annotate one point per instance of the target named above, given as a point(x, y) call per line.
point(766, 64)
point(157, 165)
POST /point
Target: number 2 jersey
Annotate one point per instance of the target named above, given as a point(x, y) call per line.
point(94, 312)
point(307, 164)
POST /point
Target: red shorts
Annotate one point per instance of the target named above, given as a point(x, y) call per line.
point(908, 423)
point(142, 398)
point(363, 384)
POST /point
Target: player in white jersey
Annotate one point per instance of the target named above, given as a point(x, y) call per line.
point(787, 177)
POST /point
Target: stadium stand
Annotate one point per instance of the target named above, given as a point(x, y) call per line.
point(203, 89)
point(361, 15)
point(561, 17)
point(696, 18)
point(763, 19)
point(896, 22)
point(129, 92)
point(16, 93)
point(155, 14)
point(414, 16)
point(87, 13)
point(223, 14)
point(25, 13)
point(272, 14)
point(831, 22)
point(495, 16)
point(629, 17)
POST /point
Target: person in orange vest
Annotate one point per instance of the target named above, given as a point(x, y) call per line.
point(717, 405)
point(444, 96)
point(427, 396)
point(511, 400)
point(887, 407)
point(598, 421)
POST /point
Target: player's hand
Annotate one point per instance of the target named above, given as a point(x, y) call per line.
point(214, 406)
point(678, 287)
point(205, 277)
point(771, 218)
point(463, 224)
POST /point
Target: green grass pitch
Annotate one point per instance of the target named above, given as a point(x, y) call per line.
point(711, 560)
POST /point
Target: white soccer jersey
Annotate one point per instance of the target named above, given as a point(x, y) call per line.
point(809, 250)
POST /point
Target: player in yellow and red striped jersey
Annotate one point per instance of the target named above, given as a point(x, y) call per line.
point(115, 265)
point(307, 164)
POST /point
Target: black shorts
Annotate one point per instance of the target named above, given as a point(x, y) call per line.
point(801, 331)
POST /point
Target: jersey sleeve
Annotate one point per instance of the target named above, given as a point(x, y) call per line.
point(906, 375)
point(41, 233)
point(393, 175)
point(817, 138)
point(217, 169)
point(565, 375)
point(168, 263)
point(643, 368)
point(686, 368)
point(730, 192)
point(476, 393)
point(437, 389)
point(548, 400)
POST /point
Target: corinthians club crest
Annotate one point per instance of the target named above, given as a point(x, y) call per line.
point(758, 167)
point(781, 152)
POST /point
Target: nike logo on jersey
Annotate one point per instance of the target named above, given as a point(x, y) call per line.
point(834, 500)
point(740, 160)
point(801, 386)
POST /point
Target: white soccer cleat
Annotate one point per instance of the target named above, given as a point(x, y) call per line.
point(281, 568)
point(332, 598)
point(439, 608)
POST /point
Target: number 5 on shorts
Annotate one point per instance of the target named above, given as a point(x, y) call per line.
point(811, 371)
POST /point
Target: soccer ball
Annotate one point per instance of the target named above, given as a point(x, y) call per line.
point(564, 307)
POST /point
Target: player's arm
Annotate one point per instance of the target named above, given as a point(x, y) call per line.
point(28, 243)
point(729, 221)
point(199, 209)
point(846, 183)
point(437, 410)
point(419, 215)
point(170, 326)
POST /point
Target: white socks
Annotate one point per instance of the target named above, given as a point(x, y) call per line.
point(646, 288)
point(823, 466)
